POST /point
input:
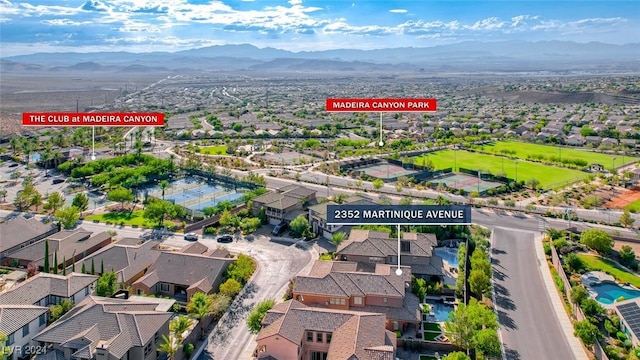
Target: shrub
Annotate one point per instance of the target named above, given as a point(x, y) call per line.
point(188, 349)
point(621, 336)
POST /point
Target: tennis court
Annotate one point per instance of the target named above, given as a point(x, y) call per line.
point(386, 171)
point(466, 182)
point(196, 194)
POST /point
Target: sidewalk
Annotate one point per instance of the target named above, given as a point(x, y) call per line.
point(557, 303)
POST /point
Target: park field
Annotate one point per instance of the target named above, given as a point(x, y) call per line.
point(549, 176)
point(214, 150)
point(523, 150)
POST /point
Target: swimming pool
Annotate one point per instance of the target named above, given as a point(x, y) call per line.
point(449, 255)
point(608, 292)
point(440, 310)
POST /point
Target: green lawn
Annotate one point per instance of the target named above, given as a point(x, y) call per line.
point(214, 150)
point(524, 150)
point(601, 264)
point(431, 336)
point(432, 326)
point(549, 176)
point(126, 218)
point(633, 207)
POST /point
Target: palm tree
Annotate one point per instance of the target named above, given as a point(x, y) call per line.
point(164, 184)
point(169, 346)
point(179, 326)
point(200, 306)
point(337, 238)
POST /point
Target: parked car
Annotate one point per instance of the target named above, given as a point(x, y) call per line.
point(191, 236)
point(57, 181)
point(225, 239)
point(13, 165)
point(280, 228)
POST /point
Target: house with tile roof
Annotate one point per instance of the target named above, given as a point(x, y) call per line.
point(129, 259)
point(318, 216)
point(19, 232)
point(285, 203)
point(368, 247)
point(67, 245)
point(338, 285)
point(105, 329)
point(180, 275)
point(20, 323)
point(50, 289)
point(292, 330)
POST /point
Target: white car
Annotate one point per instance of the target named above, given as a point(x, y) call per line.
point(191, 236)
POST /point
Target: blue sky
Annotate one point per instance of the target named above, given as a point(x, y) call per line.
point(28, 26)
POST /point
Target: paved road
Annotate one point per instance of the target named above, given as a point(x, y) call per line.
point(279, 263)
point(530, 329)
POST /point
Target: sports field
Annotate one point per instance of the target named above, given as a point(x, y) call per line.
point(466, 182)
point(523, 150)
point(386, 171)
point(549, 176)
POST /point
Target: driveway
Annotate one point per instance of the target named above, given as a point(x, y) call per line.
point(278, 263)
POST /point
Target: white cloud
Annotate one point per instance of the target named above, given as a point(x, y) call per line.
point(492, 23)
point(398, 11)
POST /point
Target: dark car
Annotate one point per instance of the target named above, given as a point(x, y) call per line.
point(280, 228)
point(13, 164)
point(225, 239)
point(191, 236)
point(57, 181)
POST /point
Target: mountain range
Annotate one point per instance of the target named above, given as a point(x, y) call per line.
point(465, 56)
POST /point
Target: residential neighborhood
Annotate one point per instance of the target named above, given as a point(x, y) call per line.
point(298, 180)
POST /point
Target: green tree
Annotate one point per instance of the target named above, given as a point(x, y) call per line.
point(55, 201)
point(419, 287)
point(578, 294)
point(591, 308)
point(93, 267)
point(178, 326)
point(120, 195)
point(56, 311)
point(68, 216)
point(241, 269)
point(200, 306)
point(456, 355)
point(488, 343)
point(4, 350)
point(338, 238)
point(83, 269)
point(586, 331)
point(81, 202)
point(55, 262)
point(169, 346)
point(378, 184)
point(159, 210)
point(254, 320)
point(64, 265)
point(46, 266)
point(466, 322)
point(164, 184)
point(231, 287)
point(574, 262)
point(627, 255)
point(300, 225)
point(479, 282)
point(107, 284)
point(626, 220)
point(597, 240)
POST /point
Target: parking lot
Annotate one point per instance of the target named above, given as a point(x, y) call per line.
point(44, 184)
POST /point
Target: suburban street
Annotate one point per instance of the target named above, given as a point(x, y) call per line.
point(528, 322)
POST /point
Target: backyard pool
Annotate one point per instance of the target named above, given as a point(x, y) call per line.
point(440, 310)
point(449, 255)
point(608, 292)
